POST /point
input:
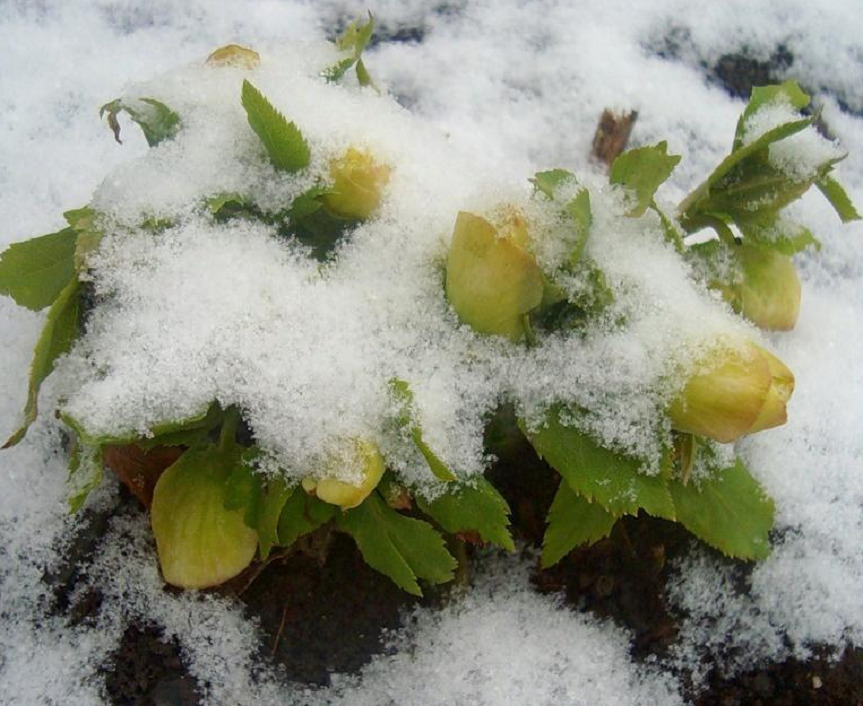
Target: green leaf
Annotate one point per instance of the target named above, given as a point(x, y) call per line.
point(35, 271)
point(336, 72)
point(308, 203)
point(406, 420)
point(285, 144)
point(243, 492)
point(59, 332)
point(548, 182)
point(579, 210)
point(729, 511)
point(354, 39)
point(400, 547)
point(786, 238)
point(672, 235)
point(838, 198)
point(363, 75)
point(788, 92)
point(302, 514)
point(157, 121)
point(572, 521)
point(273, 499)
point(476, 507)
point(85, 474)
point(642, 171)
point(609, 478)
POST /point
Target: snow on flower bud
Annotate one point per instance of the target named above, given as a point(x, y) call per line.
point(358, 182)
point(492, 281)
point(236, 56)
point(769, 292)
point(366, 462)
point(734, 392)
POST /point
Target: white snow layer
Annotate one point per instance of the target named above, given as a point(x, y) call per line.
point(515, 85)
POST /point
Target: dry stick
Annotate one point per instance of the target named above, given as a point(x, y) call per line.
point(611, 136)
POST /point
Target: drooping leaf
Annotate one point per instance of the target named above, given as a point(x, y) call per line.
point(838, 198)
point(729, 511)
point(200, 542)
point(273, 499)
point(59, 332)
point(285, 144)
point(572, 521)
point(406, 420)
point(400, 547)
point(784, 237)
point(157, 121)
point(302, 514)
point(548, 182)
point(601, 475)
point(35, 271)
point(85, 474)
point(475, 507)
point(642, 171)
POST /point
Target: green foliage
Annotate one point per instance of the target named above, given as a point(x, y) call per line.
point(548, 182)
point(642, 171)
point(302, 514)
point(476, 507)
point(578, 209)
point(406, 420)
point(572, 521)
point(788, 92)
point(837, 197)
point(353, 41)
point(286, 147)
point(273, 499)
point(729, 511)
point(599, 474)
point(400, 547)
point(35, 271)
point(60, 331)
point(85, 474)
point(156, 120)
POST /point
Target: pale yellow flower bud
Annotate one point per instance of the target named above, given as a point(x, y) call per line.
point(734, 392)
point(492, 281)
point(769, 292)
point(367, 460)
point(358, 184)
point(236, 56)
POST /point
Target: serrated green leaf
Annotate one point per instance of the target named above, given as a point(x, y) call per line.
point(336, 72)
point(156, 120)
point(400, 547)
point(788, 92)
point(838, 198)
point(572, 521)
point(285, 144)
point(273, 499)
point(85, 474)
point(59, 332)
point(356, 36)
point(35, 271)
point(609, 478)
point(790, 242)
point(729, 511)
point(642, 171)
point(475, 507)
point(548, 182)
point(302, 514)
point(406, 420)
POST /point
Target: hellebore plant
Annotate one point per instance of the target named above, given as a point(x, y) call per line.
point(217, 505)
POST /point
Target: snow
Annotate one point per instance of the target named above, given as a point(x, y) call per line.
point(502, 89)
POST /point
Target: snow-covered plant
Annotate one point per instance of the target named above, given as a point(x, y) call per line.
point(321, 314)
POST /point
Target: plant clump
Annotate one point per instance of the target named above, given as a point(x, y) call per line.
point(322, 322)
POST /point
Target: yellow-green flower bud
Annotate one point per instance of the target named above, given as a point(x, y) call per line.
point(769, 291)
point(492, 281)
point(200, 543)
point(364, 459)
point(236, 56)
point(735, 391)
point(358, 183)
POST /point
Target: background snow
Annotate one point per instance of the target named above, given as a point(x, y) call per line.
point(523, 82)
